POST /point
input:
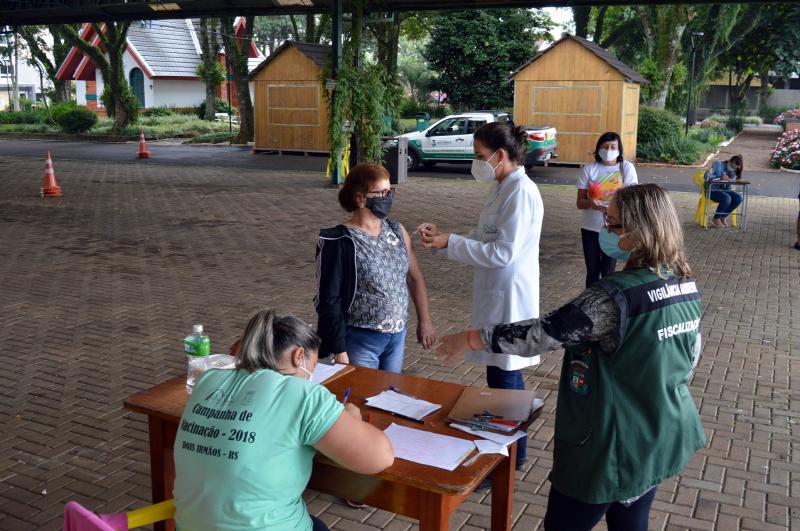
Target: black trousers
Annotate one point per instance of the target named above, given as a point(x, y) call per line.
point(568, 514)
point(598, 264)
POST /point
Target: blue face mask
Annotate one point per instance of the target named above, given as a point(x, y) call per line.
point(609, 244)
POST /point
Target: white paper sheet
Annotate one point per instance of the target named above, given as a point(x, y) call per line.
point(491, 447)
point(323, 371)
point(440, 451)
point(496, 437)
point(402, 404)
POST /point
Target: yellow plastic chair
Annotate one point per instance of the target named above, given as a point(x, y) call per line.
point(703, 206)
point(76, 514)
point(345, 163)
point(158, 512)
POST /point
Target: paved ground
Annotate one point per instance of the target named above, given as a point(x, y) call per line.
point(755, 147)
point(100, 286)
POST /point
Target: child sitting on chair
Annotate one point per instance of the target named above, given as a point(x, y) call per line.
point(721, 193)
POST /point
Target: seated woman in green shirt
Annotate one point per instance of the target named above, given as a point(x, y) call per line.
point(247, 438)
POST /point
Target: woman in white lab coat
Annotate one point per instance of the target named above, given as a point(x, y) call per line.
point(503, 249)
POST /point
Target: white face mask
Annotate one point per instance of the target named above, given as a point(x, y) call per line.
point(608, 155)
point(303, 368)
point(482, 170)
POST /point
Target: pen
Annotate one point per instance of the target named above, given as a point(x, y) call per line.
point(346, 395)
point(397, 390)
point(472, 459)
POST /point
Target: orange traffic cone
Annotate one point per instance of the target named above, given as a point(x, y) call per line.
point(143, 153)
point(50, 188)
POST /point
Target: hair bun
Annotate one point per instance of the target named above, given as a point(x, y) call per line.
point(520, 134)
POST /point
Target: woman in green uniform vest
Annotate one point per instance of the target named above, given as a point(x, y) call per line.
point(625, 420)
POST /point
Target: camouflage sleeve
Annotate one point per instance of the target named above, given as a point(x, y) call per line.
point(592, 317)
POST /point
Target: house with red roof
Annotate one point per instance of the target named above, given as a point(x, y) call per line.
point(160, 65)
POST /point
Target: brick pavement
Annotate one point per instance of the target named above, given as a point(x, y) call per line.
point(100, 286)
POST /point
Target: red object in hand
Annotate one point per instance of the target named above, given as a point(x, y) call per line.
point(594, 191)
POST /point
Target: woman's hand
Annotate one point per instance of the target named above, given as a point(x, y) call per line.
point(427, 229)
point(341, 358)
point(436, 242)
point(597, 205)
point(426, 334)
point(455, 346)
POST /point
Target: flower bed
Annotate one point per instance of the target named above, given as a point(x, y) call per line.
point(790, 115)
point(787, 151)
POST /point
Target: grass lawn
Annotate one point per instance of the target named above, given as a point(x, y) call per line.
point(154, 127)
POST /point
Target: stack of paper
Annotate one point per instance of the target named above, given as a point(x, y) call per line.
point(402, 405)
point(490, 435)
point(424, 447)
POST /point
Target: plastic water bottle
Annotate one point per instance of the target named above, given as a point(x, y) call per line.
point(197, 347)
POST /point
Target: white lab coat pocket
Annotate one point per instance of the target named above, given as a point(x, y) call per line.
point(487, 229)
point(489, 307)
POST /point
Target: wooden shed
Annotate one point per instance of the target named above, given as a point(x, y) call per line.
point(290, 111)
point(582, 90)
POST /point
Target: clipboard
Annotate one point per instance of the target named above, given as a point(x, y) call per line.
point(345, 370)
point(480, 404)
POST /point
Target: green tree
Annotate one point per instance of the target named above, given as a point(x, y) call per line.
point(663, 26)
point(210, 70)
point(770, 46)
point(386, 31)
point(724, 27)
point(619, 29)
point(580, 17)
point(271, 32)
point(312, 29)
point(42, 52)
point(118, 98)
point(416, 76)
point(10, 55)
point(474, 52)
point(363, 95)
point(237, 50)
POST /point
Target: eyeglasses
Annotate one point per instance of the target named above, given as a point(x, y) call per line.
point(380, 193)
point(608, 225)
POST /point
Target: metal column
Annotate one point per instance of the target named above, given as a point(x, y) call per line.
point(336, 62)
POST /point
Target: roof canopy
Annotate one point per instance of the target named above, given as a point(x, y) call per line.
point(16, 12)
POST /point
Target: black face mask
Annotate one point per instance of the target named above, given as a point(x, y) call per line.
point(380, 206)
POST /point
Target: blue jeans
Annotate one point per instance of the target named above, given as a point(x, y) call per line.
point(498, 378)
point(317, 524)
point(565, 512)
point(728, 201)
point(376, 350)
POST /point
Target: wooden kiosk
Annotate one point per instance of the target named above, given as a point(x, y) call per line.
point(290, 112)
point(582, 90)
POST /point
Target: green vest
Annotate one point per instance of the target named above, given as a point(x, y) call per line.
point(625, 420)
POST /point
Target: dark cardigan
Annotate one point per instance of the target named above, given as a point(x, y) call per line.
point(336, 287)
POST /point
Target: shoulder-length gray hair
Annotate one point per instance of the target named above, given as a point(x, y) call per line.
point(268, 337)
point(650, 222)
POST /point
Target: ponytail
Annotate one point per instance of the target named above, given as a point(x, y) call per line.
point(502, 135)
point(268, 337)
